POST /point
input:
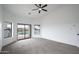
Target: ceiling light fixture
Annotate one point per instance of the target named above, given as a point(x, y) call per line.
point(29, 13)
point(40, 7)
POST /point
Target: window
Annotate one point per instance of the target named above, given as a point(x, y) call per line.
point(7, 29)
point(36, 29)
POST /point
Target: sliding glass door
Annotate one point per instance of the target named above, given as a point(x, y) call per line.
point(20, 31)
point(24, 31)
point(27, 31)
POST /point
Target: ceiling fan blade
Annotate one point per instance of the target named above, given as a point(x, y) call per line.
point(44, 10)
point(39, 11)
point(40, 5)
point(34, 9)
point(36, 5)
point(44, 6)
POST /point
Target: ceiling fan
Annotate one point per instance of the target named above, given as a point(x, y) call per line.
point(40, 7)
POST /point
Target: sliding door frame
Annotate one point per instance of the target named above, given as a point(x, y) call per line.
point(24, 30)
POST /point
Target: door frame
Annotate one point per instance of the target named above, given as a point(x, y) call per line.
point(24, 30)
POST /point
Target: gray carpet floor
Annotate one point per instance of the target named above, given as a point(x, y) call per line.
point(40, 46)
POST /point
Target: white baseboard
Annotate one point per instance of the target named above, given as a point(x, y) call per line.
point(61, 42)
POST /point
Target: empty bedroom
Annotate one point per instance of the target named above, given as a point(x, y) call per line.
point(39, 28)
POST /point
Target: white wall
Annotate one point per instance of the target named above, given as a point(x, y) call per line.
point(62, 25)
point(17, 19)
point(0, 27)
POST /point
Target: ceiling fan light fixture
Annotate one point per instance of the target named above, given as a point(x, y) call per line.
point(40, 9)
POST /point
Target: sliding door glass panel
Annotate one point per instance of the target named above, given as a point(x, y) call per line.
point(27, 31)
point(20, 31)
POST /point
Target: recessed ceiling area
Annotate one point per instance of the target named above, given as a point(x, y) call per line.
point(26, 9)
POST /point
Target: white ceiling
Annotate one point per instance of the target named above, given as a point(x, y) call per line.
point(25, 9)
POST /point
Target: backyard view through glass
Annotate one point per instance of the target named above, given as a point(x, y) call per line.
point(23, 31)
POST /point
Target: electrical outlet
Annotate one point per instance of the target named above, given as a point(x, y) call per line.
point(77, 34)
